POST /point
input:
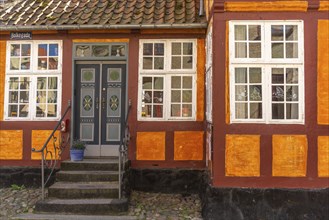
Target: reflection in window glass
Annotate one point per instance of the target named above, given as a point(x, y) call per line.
point(152, 97)
point(18, 102)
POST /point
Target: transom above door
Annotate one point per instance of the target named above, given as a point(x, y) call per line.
point(100, 105)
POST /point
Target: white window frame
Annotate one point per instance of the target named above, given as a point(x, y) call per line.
point(266, 63)
point(209, 73)
point(167, 73)
point(33, 73)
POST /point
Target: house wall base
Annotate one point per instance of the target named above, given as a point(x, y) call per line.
point(167, 180)
point(252, 203)
point(27, 176)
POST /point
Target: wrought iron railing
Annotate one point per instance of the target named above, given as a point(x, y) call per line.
point(50, 157)
point(123, 149)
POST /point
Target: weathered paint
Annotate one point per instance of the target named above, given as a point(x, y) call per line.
point(323, 72)
point(201, 60)
point(11, 144)
point(323, 156)
point(188, 145)
point(266, 6)
point(150, 145)
point(119, 40)
point(289, 155)
point(242, 155)
point(324, 6)
point(39, 137)
point(2, 76)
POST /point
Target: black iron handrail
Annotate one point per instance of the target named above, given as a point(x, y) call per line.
point(58, 147)
point(123, 149)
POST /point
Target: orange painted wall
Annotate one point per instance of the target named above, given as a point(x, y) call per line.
point(289, 155)
point(323, 156)
point(266, 6)
point(242, 155)
point(323, 72)
point(11, 144)
point(39, 137)
point(188, 145)
point(150, 145)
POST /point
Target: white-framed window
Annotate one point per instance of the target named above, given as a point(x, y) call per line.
point(209, 57)
point(266, 71)
point(33, 80)
point(167, 80)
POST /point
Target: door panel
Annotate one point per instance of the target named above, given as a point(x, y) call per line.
point(100, 101)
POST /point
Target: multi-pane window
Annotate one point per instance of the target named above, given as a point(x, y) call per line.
point(167, 80)
point(266, 71)
point(33, 78)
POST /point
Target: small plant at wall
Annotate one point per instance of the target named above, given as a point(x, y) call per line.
point(17, 187)
point(78, 145)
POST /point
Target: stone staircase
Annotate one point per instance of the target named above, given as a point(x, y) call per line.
point(88, 187)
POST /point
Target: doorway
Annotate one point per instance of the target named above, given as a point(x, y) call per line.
point(100, 99)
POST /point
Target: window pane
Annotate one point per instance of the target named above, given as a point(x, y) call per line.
point(12, 111)
point(292, 50)
point(176, 63)
point(147, 82)
point(240, 32)
point(53, 49)
point(26, 49)
point(52, 82)
point(52, 111)
point(158, 83)
point(254, 32)
point(175, 110)
point(159, 49)
point(241, 93)
point(277, 75)
point(187, 62)
point(157, 111)
point(187, 95)
point(187, 82)
point(25, 65)
point(292, 111)
point(187, 49)
point(13, 97)
point(15, 50)
point(255, 75)
point(53, 63)
point(13, 83)
point(148, 97)
point(24, 96)
point(241, 110)
point(292, 93)
point(278, 111)
point(240, 75)
point(291, 32)
point(277, 93)
point(24, 110)
point(176, 82)
point(158, 97)
point(255, 50)
point(256, 110)
point(42, 50)
point(292, 75)
point(277, 32)
point(42, 63)
point(158, 63)
point(255, 93)
point(24, 84)
point(148, 49)
point(14, 63)
point(176, 48)
point(147, 111)
point(175, 96)
point(42, 83)
point(41, 97)
point(187, 110)
point(52, 97)
point(147, 63)
point(277, 50)
point(240, 50)
point(41, 111)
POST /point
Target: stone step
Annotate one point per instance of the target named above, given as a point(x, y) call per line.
point(72, 190)
point(31, 216)
point(106, 164)
point(83, 206)
point(87, 176)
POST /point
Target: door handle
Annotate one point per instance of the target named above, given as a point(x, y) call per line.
point(97, 102)
point(103, 102)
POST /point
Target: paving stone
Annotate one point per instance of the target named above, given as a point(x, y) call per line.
point(143, 205)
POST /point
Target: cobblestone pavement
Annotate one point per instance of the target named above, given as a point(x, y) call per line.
point(148, 206)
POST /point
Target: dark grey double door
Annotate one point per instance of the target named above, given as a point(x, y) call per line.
point(100, 106)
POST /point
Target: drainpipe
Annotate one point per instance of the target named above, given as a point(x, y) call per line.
point(201, 9)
